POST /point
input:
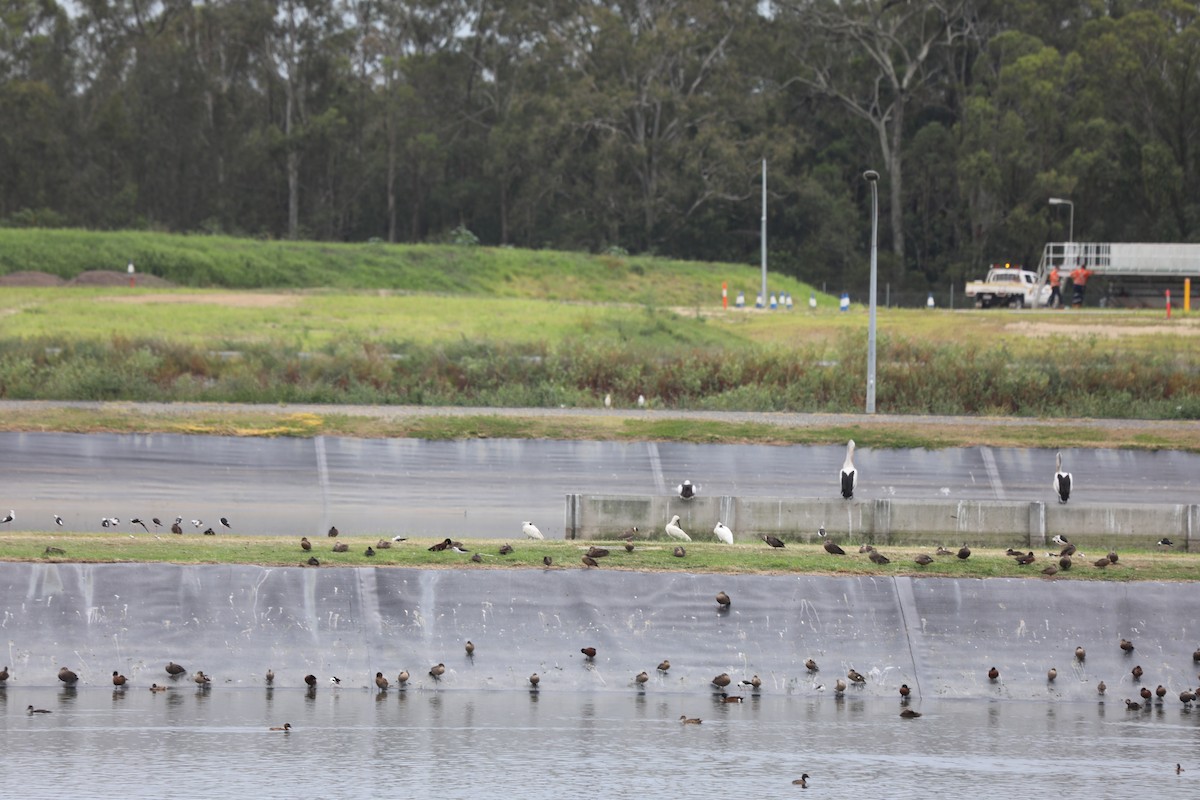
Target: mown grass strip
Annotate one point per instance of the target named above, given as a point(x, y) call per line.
point(647, 556)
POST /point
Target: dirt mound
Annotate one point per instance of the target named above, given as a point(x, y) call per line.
point(108, 277)
point(30, 278)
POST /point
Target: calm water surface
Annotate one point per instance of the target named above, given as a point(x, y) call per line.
point(351, 742)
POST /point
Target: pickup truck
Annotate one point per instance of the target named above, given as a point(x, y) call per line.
point(1008, 286)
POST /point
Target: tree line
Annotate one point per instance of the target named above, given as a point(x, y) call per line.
point(623, 125)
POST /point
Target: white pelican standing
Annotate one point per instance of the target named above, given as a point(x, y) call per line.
point(530, 530)
point(723, 533)
point(676, 532)
point(849, 475)
point(1062, 480)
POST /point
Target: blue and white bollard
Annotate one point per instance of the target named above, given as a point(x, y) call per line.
point(741, 300)
point(844, 303)
point(758, 301)
point(774, 305)
point(812, 301)
point(789, 301)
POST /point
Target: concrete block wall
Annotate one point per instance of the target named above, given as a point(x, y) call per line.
point(886, 521)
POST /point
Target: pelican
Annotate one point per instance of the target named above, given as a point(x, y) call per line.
point(530, 530)
point(723, 533)
point(686, 490)
point(849, 475)
point(676, 532)
point(1062, 480)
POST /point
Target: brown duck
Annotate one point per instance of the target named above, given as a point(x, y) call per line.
point(118, 679)
point(722, 680)
point(590, 652)
point(437, 671)
point(534, 680)
point(305, 544)
point(381, 682)
point(923, 560)
point(686, 720)
point(856, 677)
point(285, 727)
point(641, 678)
point(723, 600)
point(67, 676)
point(908, 713)
point(402, 678)
point(774, 541)
point(993, 674)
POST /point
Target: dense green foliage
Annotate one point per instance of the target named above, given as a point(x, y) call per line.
point(610, 126)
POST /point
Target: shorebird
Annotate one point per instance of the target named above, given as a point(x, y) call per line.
point(58, 520)
point(10, 517)
point(530, 530)
point(848, 476)
point(1062, 480)
point(225, 522)
point(199, 523)
point(335, 680)
point(1165, 542)
point(137, 521)
point(686, 490)
point(675, 532)
point(722, 532)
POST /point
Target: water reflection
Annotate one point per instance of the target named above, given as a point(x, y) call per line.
point(541, 744)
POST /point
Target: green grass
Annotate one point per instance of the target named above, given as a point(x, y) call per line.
point(650, 556)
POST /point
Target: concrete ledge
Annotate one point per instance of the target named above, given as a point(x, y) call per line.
point(885, 521)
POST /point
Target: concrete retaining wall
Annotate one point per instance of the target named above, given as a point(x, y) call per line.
point(938, 635)
point(886, 521)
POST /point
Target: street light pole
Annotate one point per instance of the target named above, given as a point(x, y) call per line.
point(872, 177)
point(1058, 201)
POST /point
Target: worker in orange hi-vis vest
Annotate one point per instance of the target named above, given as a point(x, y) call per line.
point(1055, 295)
point(1079, 279)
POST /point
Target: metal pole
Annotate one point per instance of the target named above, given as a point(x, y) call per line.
point(872, 177)
point(764, 233)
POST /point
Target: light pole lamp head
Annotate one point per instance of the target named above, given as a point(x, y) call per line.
point(871, 175)
point(1058, 201)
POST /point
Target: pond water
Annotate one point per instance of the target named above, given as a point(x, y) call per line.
point(353, 742)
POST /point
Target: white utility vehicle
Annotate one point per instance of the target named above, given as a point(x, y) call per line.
point(1008, 286)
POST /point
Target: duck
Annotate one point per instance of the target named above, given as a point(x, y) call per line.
point(589, 562)
point(547, 561)
point(1101, 688)
point(1127, 646)
point(534, 680)
point(878, 558)
point(732, 698)
point(855, 676)
point(774, 541)
point(1160, 692)
point(118, 679)
point(679, 552)
point(383, 544)
point(1064, 563)
point(723, 600)
point(1102, 562)
point(369, 552)
point(1051, 674)
point(531, 531)
point(31, 711)
point(440, 546)
point(1137, 672)
point(1068, 551)
point(1080, 653)
point(629, 547)
point(505, 549)
point(923, 560)
point(1050, 571)
point(285, 727)
point(723, 533)
point(470, 648)
point(722, 680)
point(270, 676)
point(402, 678)
point(755, 683)
point(588, 652)
point(802, 781)
point(1195, 657)
point(830, 546)
point(942, 551)
point(908, 713)
point(675, 532)
point(686, 490)
point(664, 665)
point(641, 678)
point(311, 681)
point(848, 477)
point(811, 665)
point(341, 547)
point(597, 552)
point(964, 552)
point(313, 561)
point(305, 544)
point(176, 528)
point(993, 674)
point(904, 690)
point(201, 679)
point(686, 720)
point(839, 688)
point(437, 671)
point(67, 676)
point(4, 674)
point(381, 682)
point(154, 687)
point(1062, 480)
point(1027, 559)
point(1132, 706)
point(1112, 556)
point(333, 531)
point(1187, 696)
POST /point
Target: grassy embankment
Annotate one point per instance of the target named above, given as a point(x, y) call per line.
point(647, 556)
point(498, 327)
